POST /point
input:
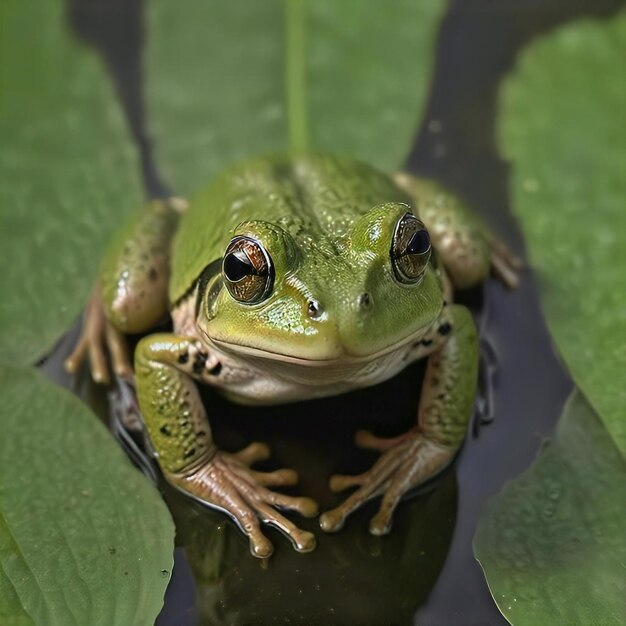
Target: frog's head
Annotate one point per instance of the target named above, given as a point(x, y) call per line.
point(313, 299)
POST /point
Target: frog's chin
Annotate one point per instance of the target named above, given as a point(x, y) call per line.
point(339, 356)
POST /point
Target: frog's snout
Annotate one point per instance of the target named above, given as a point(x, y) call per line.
point(363, 303)
point(314, 309)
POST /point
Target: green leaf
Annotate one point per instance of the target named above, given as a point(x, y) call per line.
point(84, 537)
point(552, 543)
point(562, 124)
point(67, 175)
point(228, 80)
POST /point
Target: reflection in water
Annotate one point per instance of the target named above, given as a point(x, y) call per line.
point(351, 577)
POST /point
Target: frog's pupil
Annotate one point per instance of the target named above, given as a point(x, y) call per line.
point(419, 243)
point(237, 266)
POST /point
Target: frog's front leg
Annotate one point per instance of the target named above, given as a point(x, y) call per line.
point(181, 436)
point(406, 461)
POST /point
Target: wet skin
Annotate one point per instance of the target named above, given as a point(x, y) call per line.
point(286, 279)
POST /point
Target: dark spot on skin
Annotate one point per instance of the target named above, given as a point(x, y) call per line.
point(444, 329)
point(183, 358)
point(199, 363)
point(427, 342)
point(216, 369)
point(435, 381)
point(189, 453)
point(166, 430)
point(445, 303)
point(152, 274)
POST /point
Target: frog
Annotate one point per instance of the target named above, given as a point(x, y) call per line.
point(291, 278)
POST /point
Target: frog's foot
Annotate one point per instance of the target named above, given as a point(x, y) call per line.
point(405, 462)
point(102, 343)
point(228, 483)
point(506, 266)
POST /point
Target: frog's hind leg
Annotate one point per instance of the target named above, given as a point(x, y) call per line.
point(131, 293)
point(464, 244)
point(412, 458)
point(100, 341)
point(181, 436)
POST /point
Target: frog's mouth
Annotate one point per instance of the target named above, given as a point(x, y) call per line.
point(340, 367)
point(343, 357)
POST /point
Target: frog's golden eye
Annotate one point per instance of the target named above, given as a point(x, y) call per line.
point(410, 250)
point(248, 270)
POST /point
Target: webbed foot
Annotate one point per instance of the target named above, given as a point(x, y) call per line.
point(405, 462)
point(228, 483)
point(102, 344)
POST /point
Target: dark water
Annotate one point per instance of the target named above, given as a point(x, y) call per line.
point(424, 572)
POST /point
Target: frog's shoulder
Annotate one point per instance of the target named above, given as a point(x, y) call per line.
point(322, 192)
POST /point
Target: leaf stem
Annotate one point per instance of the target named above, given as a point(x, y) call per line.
point(297, 115)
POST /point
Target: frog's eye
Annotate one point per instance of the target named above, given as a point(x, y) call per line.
point(410, 250)
point(248, 271)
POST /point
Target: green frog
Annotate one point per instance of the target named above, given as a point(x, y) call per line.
point(290, 278)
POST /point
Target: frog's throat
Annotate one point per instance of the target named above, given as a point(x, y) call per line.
point(344, 359)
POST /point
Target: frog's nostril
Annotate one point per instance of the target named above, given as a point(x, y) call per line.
point(364, 301)
point(314, 308)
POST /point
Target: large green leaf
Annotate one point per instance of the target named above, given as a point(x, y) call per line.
point(67, 174)
point(228, 80)
point(563, 126)
point(552, 544)
point(84, 537)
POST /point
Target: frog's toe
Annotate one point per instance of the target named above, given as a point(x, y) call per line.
point(118, 351)
point(307, 507)
point(506, 266)
point(260, 546)
point(102, 344)
point(77, 356)
point(302, 540)
point(228, 482)
point(252, 454)
point(333, 520)
point(380, 524)
point(406, 462)
point(278, 478)
point(367, 440)
point(370, 484)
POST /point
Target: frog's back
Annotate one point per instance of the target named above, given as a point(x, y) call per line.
point(314, 196)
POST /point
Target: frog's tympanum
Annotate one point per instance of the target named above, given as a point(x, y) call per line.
point(287, 279)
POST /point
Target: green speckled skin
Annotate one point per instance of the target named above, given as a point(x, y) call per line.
point(178, 427)
point(328, 225)
point(314, 198)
